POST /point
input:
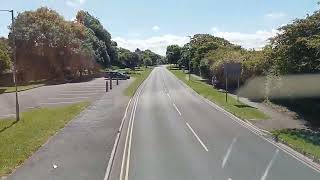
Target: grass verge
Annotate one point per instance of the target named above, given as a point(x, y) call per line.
point(18, 140)
point(140, 75)
point(305, 141)
point(20, 88)
point(239, 109)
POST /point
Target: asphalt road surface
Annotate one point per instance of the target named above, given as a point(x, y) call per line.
point(81, 150)
point(171, 133)
point(52, 95)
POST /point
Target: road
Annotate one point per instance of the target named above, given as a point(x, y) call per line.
point(81, 150)
point(171, 133)
point(52, 95)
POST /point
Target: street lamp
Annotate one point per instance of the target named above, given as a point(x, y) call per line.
point(14, 63)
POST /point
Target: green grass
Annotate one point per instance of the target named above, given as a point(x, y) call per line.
point(18, 140)
point(239, 109)
point(305, 141)
point(140, 75)
point(20, 88)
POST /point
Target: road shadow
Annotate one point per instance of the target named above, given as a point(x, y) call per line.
point(9, 126)
point(244, 106)
point(306, 109)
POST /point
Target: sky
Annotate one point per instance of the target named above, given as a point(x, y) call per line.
point(154, 24)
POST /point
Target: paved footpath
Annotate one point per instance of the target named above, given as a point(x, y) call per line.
point(82, 149)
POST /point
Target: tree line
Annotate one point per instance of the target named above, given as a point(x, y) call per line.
point(50, 47)
point(294, 50)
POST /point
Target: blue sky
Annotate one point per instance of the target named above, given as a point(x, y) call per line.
point(154, 24)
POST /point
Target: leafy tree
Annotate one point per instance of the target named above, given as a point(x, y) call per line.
point(173, 54)
point(105, 48)
point(297, 48)
point(49, 47)
point(5, 62)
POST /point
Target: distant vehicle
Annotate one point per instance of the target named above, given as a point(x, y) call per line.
point(116, 75)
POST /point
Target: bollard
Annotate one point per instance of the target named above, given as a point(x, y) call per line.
point(110, 78)
point(117, 81)
point(107, 85)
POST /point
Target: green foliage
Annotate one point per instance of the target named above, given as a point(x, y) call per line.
point(297, 48)
point(49, 47)
point(237, 108)
point(127, 58)
point(173, 54)
point(99, 39)
point(5, 61)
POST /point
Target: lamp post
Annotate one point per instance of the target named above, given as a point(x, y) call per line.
point(14, 63)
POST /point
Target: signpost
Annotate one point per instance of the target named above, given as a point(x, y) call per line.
point(231, 70)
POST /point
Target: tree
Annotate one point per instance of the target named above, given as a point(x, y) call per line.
point(5, 62)
point(173, 54)
point(47, 46)
point(297, 48)
point(129, 59)
point(105, 48)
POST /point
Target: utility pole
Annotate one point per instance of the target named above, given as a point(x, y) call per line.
point(14, 69)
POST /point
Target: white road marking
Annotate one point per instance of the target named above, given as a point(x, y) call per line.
point(296, 155)
point(130, 140)
point(226, 157)
point(66, 102)
point(168, 95)
point(129, 131)
point(108, 170)
point(126, 141)
point(174, 105)
point(204, 146)
point(229, 179)
point(265, 174)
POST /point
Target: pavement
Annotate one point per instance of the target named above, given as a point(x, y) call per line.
point(53, 95)
point(172, 133)
point(81, 150)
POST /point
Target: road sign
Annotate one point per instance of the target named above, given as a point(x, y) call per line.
point(232, 69)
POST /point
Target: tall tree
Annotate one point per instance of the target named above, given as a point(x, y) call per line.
point(173, 54)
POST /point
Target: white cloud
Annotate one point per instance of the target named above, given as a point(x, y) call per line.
point(276, 15)
point(255, 40)
point(157, 44)
point(75, 3)
point(155, 28)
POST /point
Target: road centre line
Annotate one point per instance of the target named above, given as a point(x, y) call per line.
point(296, 155)
point(265, 174)
point(174, 105)
point(204, 146)
point(226, 157)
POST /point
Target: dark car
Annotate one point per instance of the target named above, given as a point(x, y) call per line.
point(116, 75)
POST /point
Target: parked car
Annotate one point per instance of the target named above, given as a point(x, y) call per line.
point(116, 75)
